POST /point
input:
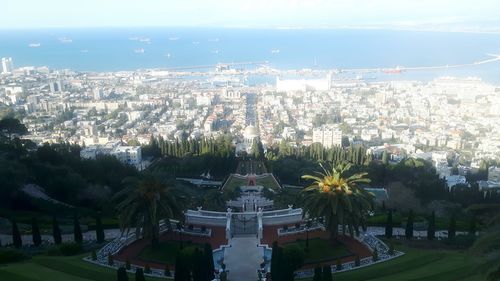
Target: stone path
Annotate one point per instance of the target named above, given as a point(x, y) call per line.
point(243, 258)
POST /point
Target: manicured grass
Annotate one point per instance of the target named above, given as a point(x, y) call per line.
point(419, 265)
point(320, 250)
point(167, 251)
point(44, 268)
point(266, 181)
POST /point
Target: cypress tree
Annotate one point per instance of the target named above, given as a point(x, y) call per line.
point(35, 231)
point(56, 231)
point(275, 262)
point(99, 231)
point(16, 236)
point(431, 228)
point(385, 157)
point(318, 274)
point(197, 265)
point(338, 265)
point(77, 231)
point(452, 228)
point(181, 271)
point(209, 256)
point(472, 226)
point(375, 255)
point(327, 273)
point(409, 226)
point(139, 275)
point(121, 274)
point(388, 225)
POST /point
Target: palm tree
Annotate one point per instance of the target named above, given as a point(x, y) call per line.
point(143, 203)
point(337, 197)
point(489, 241)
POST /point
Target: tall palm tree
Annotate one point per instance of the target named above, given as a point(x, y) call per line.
point(337, 197)
point(488, 243)
point(143, 203)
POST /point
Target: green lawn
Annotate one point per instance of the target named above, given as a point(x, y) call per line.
point(43, 268)
point(320, 250)
point(266, 181)
point(419, 265)
point(167, 251)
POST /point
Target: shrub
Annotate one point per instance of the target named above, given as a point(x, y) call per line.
point(375, 255)
point(110, 259)
point(223, 276)
point(127, 264)
point(121, 274)
point(339, 264)
point(8, 256)
point(70, 249)
point(391, 249)
point(357, 261)
point(139, 275)
point(167, 272)
point(147, 269)
point(93, 255)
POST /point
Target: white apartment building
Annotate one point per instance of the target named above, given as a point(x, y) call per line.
point(494, 174)
point(328, 135)
point(131, 155)
point(7, 65)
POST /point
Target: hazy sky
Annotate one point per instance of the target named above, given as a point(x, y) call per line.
point(250, 13)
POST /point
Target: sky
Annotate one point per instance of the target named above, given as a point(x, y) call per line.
point(18, 14)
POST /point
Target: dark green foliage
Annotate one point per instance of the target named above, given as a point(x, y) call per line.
point(182, 272)
point(318, 274)
point(409, 226)
point(35, 232)
point(285, 261)
point(357, 261)
point(375, 255)
point(388, 225)
point(56, 231)
point(209, 261)
point(121, 274)
point(431, 228)
point(197, 265)
point(77, 231)
point(338, 265)
point(167, 272)
point(16, 236)
point(385, 157)
point(327, 273)
point(276, 262)
point(139, 275)
point(70, 249)
point(110, 259)
point(99, 230)
point(10, 126)
point(9, 256)
point(93, 255)
point(147, 269)
point(391, 249)
point(472, 226)
point(127, 264)
point(452, 228)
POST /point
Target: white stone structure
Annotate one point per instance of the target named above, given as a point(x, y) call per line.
point(328, 135)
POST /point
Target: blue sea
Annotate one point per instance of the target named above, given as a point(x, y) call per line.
point(139, 48)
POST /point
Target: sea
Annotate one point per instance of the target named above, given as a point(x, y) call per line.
point(117, 49)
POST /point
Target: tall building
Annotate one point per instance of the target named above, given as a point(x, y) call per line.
point(328, 135)
point(55, 86)
point(7, 65)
